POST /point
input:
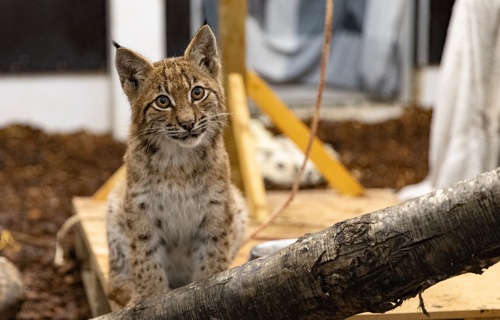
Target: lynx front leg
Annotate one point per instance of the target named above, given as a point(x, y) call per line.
point(212, 248)
point(119, 279)
point(119, 282)
point(147, 256)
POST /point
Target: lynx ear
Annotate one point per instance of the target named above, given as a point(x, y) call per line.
point(203, 51)
point(132, 68)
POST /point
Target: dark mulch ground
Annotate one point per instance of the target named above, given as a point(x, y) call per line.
point(390, 154)
point(40, 173)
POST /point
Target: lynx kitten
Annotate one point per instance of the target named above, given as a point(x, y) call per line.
point(177, 218)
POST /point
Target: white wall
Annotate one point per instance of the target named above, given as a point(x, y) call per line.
point(56, 102)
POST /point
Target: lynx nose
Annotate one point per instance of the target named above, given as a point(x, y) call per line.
point(187, 124)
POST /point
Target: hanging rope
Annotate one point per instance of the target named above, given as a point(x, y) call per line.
point(325, 53)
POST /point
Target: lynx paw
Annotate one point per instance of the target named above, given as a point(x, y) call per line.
point(120, 294)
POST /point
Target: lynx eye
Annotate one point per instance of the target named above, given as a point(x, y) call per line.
point(163, 102)
point(197, 93)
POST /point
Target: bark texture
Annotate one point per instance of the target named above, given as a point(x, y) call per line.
point(370, 263)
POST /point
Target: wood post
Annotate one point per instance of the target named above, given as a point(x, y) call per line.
point(250, 172)
point(232, 14)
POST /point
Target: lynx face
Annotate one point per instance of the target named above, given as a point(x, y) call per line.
point(181, 104)
point(177, 99)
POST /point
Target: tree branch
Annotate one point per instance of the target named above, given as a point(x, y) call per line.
point(370, 263)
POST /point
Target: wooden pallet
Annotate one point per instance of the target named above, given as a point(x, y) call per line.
point(466, 296)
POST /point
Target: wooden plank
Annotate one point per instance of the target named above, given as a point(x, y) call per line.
point(323, 208)
point(102, 193)
point(96, 297)
point(252, 180)
point(333, 171)
point(232, 15)
point(92, 234)
point(311, 211)
point(466, 296)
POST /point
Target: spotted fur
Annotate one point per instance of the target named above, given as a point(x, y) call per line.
point(177, 218)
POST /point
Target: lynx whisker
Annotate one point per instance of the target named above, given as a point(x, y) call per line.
point(146, 132)
point(217, 115)
point(220, 123)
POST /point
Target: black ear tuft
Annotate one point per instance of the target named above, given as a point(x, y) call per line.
point(117, 46)
point(205, 21)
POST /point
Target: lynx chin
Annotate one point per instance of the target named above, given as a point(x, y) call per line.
point(176, 218)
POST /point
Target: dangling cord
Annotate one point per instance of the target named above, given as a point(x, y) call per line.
point(325, 53)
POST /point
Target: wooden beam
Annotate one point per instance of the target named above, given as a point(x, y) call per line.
point(333, 171)
point(252, 178)
point(232, 14)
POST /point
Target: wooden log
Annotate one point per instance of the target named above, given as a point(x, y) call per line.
point(11, 289)
point(370, 263)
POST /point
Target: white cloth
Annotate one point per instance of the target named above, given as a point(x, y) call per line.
point(279, 159)
point(464, 139)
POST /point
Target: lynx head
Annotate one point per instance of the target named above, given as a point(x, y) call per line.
point(177, 99)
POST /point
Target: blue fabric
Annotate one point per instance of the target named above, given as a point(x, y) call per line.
point(285, 37)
